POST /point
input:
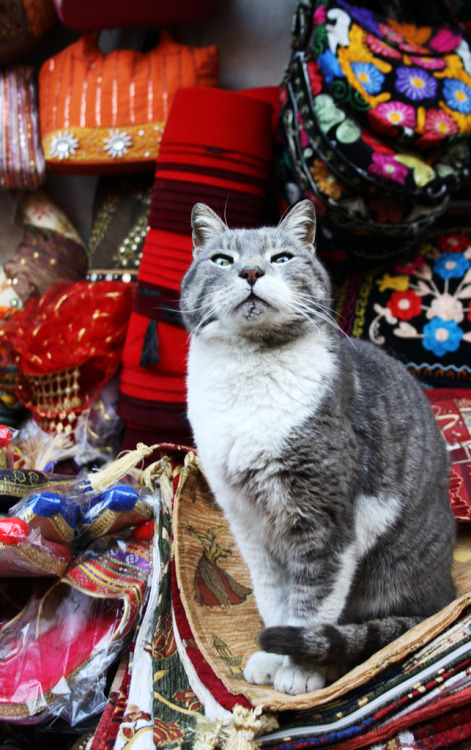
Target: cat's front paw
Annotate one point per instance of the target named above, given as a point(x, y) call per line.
point(262, 667)
point(295, 680)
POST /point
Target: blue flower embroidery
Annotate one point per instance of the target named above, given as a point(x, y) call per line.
point(457, 95)
point(442, 336)
point(329, 65)
point(368, 76)
point(451, 265)
point(415, 83)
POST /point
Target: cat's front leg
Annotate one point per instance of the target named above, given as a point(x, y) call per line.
point(312, 604)
point(270, 588)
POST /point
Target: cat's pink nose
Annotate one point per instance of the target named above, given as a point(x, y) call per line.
point(251, 274)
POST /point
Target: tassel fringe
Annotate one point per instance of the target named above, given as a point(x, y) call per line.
point(239, 734)
point(104, 478)
point(150, 347)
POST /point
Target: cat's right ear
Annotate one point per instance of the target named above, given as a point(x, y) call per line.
point(205, 224)
point(301, 221)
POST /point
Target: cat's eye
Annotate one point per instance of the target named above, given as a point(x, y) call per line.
point(222, 260)
point(281, 258)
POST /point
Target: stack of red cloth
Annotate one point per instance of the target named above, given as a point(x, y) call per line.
point(217, 149)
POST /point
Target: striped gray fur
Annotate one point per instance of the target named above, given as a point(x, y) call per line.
point(322, 452)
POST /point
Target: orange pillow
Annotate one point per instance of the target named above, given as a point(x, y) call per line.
point(102, 113)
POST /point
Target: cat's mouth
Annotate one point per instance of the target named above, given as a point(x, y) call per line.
point(252, 305)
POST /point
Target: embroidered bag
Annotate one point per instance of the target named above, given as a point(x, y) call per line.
point(22, 164)
point(369, 182)
point(418, 308)
point(104, 113)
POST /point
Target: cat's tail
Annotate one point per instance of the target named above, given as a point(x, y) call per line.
point(333, 644)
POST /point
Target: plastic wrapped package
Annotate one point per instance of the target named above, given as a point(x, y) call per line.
point(77, 513)
point(25, 552)
point(55, 652)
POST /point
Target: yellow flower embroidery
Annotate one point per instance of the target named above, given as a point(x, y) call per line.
point(400, 283)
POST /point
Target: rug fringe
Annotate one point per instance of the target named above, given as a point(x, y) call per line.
point(238, 734)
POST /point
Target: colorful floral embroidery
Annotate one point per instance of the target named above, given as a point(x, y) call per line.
point(439, 123)
point(451, 266)
point(329, 65)
point(325, 180)
point(415, 83)
point(389, 33)
point(433, 300)
point(397, 113)
point(457, 95)
point(388, 168)
point(445, 41)
point(384, 61)
point(369, 77)
point(381, 48)
point(405, 305)
point(453, 243)
point(430, 63)
point(442, 336)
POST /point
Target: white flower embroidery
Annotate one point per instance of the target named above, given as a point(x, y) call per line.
point(117, 144)
point(446, 307)
point(64, 145)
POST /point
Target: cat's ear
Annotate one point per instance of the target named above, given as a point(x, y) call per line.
point(301, 221)
point(205, 224)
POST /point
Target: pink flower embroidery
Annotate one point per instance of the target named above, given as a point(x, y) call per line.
point(320, 15)
point(430, 63)
point(389, 33)
point(445, 41)
point(438, 122)
point(381, 48)
point(388, 168)
point(397, 113)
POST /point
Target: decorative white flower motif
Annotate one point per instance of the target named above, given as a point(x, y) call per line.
point(64, 145)
point(446, 307)
point(117, 144)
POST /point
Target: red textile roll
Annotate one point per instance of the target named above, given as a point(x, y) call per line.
point(222, 120)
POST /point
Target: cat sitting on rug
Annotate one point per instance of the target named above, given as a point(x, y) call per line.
point(322, 452)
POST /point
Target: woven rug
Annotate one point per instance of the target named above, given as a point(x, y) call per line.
point(215, 589)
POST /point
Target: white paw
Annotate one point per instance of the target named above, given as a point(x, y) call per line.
point(295, 680)
point(262, 667)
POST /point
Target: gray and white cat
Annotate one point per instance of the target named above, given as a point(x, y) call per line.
point(322, 452)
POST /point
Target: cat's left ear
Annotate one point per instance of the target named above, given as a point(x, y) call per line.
point(301, 221)
point(205, 223)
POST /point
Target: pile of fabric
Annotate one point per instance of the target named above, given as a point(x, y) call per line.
point(127, 613)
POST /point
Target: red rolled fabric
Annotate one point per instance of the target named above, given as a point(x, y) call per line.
point(217, 148)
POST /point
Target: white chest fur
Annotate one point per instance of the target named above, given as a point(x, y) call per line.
point(243, 402)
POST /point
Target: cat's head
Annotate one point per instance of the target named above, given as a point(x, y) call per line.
point(262, 284)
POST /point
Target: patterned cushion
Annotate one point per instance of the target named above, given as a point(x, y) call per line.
point(418, 308)
point(452, 409)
